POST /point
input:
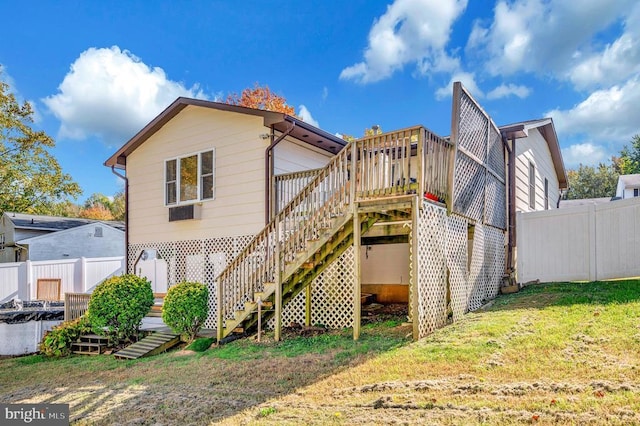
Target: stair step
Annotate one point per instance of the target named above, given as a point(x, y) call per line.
point(150, 345)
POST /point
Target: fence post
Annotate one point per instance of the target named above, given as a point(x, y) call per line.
point(593, 256)
point(30, 288)
point(83, 275)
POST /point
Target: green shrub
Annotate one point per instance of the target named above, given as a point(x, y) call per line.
point(57, 342)
point(185, 308)
point(201, 345)
point(118, 304)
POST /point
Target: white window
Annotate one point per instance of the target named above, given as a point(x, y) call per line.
point(532, 186)
point(190, 178)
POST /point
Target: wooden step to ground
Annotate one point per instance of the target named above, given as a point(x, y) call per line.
point(153, 344)
point(89, 344)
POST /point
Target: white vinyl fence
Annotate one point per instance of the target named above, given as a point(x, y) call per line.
point(18, 280)
point(582, 243)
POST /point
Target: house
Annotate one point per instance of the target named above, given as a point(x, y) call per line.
point(35, 237)
point(270, 211)
point(540, 175)
point(628, 186)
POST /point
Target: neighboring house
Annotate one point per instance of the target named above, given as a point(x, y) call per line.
point(540, 174)
point(262, 206)
point(35, 237)
point(628, 186)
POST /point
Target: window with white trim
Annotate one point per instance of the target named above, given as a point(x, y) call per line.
point(636, 192)
point(190, 178)
point(532, 186)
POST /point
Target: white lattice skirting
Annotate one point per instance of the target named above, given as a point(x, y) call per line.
point(443, 245)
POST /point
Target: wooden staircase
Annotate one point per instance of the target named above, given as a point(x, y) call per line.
point(373, 178)
point(155, 343)
point(90, 344)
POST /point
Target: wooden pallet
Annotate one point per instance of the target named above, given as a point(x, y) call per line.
point(155, 343)
point(89, 344)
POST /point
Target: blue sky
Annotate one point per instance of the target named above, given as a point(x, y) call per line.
point(97, 72)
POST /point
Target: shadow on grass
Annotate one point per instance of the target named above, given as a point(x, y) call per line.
point(193, 388)
point(538, 296)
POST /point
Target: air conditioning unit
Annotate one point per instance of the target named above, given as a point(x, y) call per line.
point(188, 212)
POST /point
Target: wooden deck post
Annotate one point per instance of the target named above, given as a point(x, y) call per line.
point(308, 306)
point(357, 284)
point(220, 330)
point(415, 317)
point(278, 314)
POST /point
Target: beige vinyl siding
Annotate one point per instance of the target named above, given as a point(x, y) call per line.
point(534, 149)
point(238, 207)
point(294, 156)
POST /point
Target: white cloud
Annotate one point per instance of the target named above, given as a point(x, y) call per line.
point(584, 153)
point(410, 32)
point(325, 93)
point(606, 115)
point(304, 113)
point(112, 94)
point(543, 36)
point(467, 80)
point(505, 90)
point(616, 62)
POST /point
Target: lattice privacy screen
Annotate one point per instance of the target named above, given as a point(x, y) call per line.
point(474, 276)
point(195, 260)
point(332, 301)
point(478, 190)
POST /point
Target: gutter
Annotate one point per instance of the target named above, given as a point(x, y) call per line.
point(126, 218)
point(268, 168)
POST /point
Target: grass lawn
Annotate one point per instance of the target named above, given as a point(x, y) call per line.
point(556, 353)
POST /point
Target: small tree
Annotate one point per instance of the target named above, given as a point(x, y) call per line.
point(185, 308)
point(118, 304)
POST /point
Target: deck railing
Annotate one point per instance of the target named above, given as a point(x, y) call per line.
point(289, 185)
point(75, 305)
point(410, 161)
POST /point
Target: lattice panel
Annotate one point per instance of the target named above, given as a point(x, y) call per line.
point(432, 271)
point(332, 301)
point(476, 285)
point(468, 196)
point(495, 152)
point(494, 251)
point(472, 131)
point(457, 262)
point(195, 260)
point(495, 208)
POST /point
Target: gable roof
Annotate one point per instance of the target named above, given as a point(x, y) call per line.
point(54, 223)
point(630, 181)
point(28, 241)
point(280, 122)
point(548, 131)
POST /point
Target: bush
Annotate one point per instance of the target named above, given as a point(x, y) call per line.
point(201, 345)
point(185, 308)
point(57, 342)
point(118, 304)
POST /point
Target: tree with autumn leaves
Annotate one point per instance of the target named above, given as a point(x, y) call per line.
point(261, 97)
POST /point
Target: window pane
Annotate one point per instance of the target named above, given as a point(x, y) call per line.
point(207, 187)
point(207, 162)
point(171, 170)
point(189, 178)
point(171, 193)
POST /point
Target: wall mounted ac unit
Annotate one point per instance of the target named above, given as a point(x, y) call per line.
point(188, 212)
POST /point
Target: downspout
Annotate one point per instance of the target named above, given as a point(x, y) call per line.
point(511, 202)
point(126, 218)
point(268, 167)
